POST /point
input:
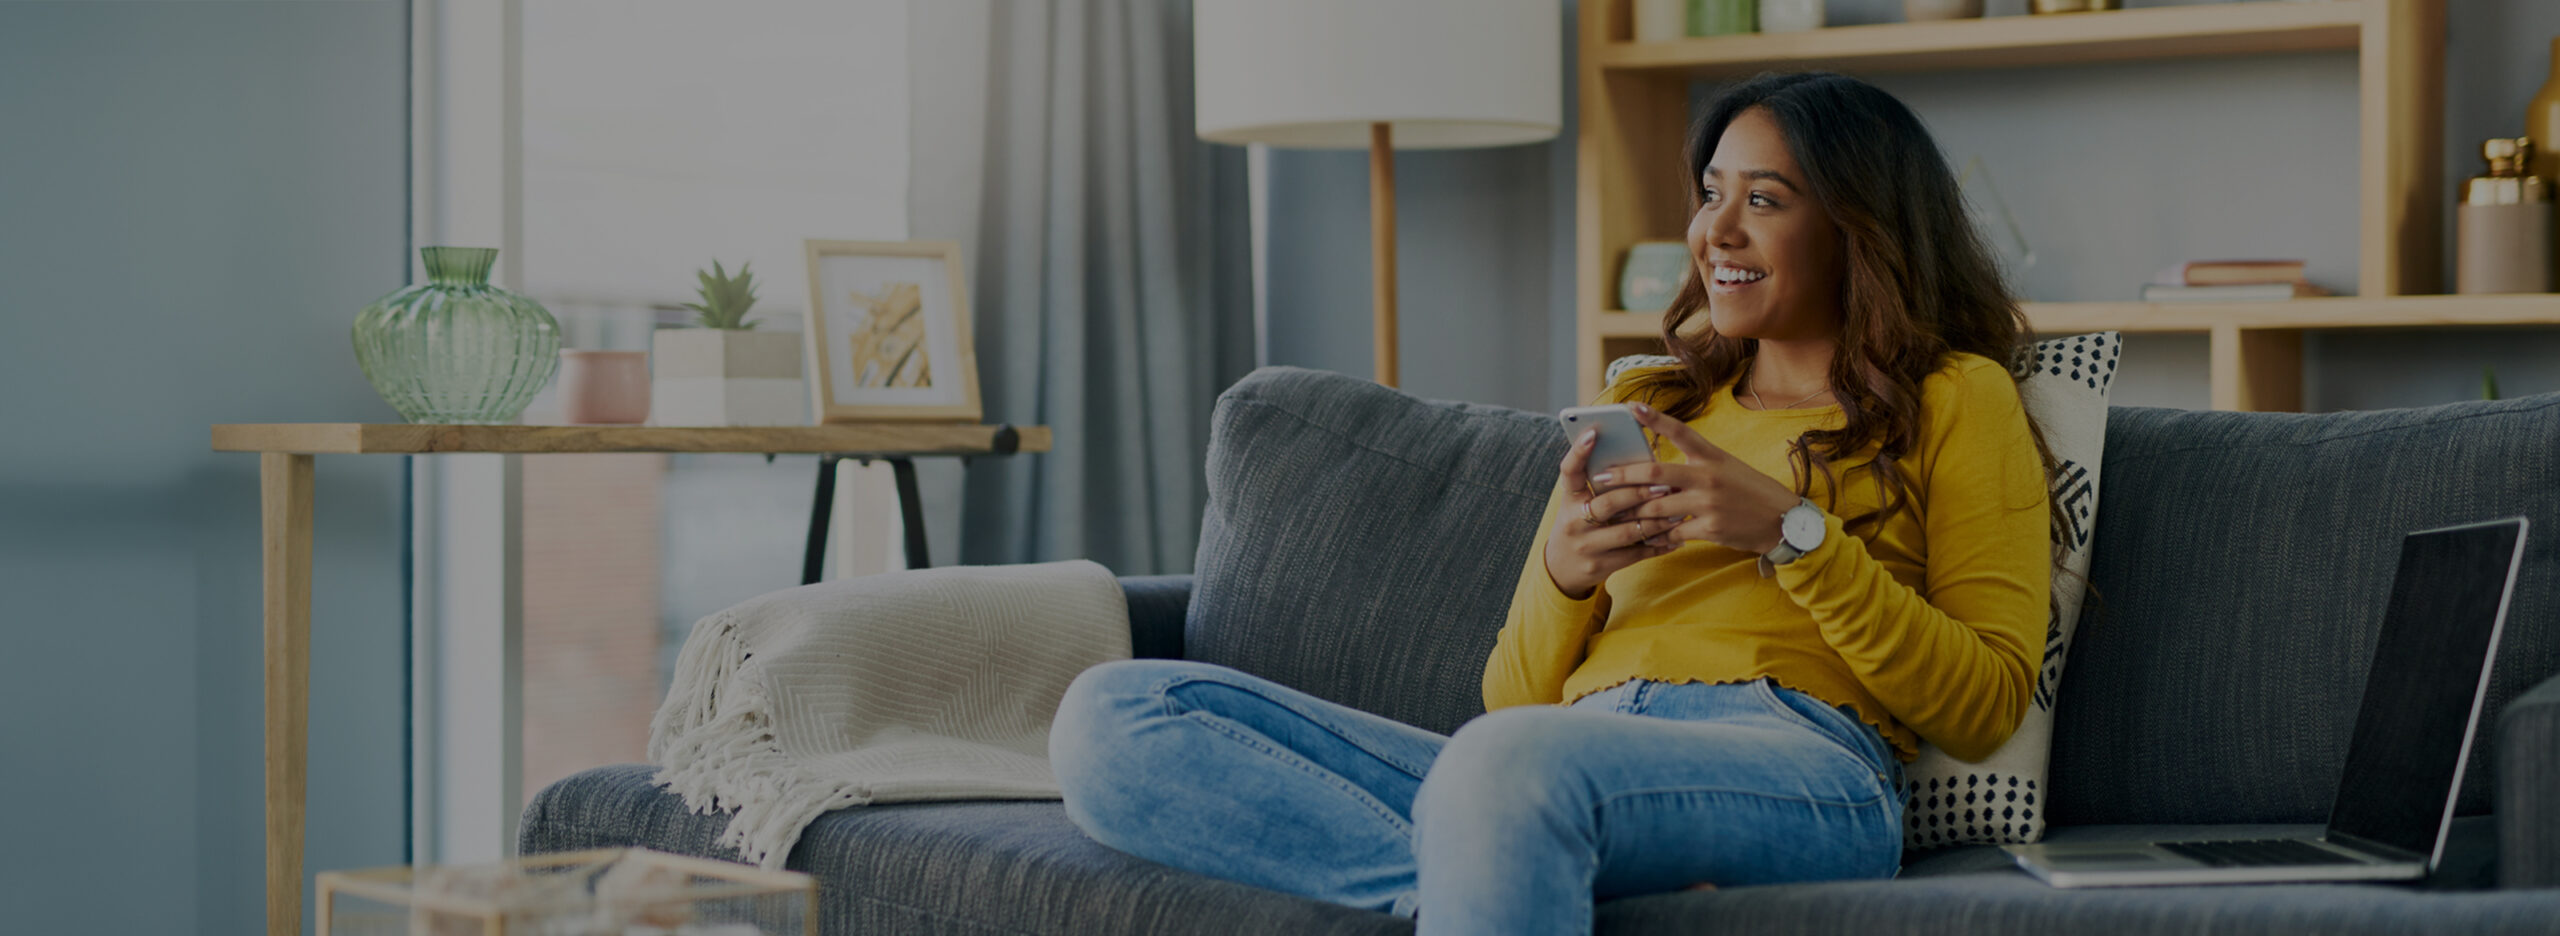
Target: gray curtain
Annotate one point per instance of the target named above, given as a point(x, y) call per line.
point(1112, 286)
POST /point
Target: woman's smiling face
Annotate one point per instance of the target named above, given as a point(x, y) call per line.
point(1769, 254)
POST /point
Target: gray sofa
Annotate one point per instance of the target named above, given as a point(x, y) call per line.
point(1361, 544)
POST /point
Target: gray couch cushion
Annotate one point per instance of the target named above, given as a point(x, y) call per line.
point(2529, 788)
point(2244, 560)
point(1361, 544)
point(1020, 867)
point(1974, 890)
point(962, 868)
point(2470, 857)
point(1157, 604)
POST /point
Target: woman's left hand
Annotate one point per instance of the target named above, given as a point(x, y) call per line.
point(1723, 499)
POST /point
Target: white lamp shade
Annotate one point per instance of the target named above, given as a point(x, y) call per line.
point(1317, 73)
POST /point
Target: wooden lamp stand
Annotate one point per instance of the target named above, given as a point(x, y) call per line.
point(1382, 246)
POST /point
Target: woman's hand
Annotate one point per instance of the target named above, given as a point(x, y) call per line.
point(1592, 536)
point(1714, 496)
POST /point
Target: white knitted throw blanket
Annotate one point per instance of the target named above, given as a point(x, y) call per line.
point(924, 684)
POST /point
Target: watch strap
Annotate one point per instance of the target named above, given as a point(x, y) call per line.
point(1784, 552)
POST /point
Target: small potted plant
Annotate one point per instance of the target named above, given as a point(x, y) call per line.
point(725, 373)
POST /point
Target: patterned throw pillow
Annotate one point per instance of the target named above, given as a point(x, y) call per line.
point(2000, 799)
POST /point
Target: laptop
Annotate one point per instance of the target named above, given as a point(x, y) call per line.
point(2422, 702)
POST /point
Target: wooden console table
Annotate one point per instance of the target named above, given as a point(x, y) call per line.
point(285, 453)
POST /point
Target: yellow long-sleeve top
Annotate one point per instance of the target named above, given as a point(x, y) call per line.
point(1930, 627)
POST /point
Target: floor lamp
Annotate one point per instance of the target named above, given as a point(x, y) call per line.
point(1384, 74)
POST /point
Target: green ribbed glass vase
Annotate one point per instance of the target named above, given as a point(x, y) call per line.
point(455, 349)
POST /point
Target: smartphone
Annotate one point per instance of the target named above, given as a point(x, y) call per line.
point(1622, 440)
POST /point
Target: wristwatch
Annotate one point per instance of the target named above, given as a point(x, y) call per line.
point(1800, 530)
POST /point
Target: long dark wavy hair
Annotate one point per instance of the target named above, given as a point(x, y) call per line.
point(1920, 283)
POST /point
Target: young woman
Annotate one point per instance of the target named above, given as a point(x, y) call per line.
point(1715, 665)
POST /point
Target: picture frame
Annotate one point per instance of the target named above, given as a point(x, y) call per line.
point(889, 333)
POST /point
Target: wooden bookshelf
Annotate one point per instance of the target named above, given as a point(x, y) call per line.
point(1634, 110)
point(2008, 41)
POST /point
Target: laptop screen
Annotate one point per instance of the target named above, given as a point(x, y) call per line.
point(2428, 670)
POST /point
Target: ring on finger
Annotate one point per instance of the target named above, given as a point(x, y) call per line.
point(1588, 516)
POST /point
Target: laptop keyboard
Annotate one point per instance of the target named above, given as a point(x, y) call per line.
point(2223, 854)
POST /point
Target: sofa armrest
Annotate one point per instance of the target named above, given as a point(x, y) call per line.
point(2528, 788)
point(1157, 606)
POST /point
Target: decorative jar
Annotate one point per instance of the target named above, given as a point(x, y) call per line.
point(2542, 123)
point(604, 387)
point(1652, 276)
point(1661, 20)
point(1778, 16)
point(456, 349)
point(1723, 17)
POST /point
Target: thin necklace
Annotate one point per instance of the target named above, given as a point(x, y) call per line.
point(1755, 397)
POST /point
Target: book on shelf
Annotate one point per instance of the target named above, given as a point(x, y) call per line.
point(2230, 272)
point(2239, 292)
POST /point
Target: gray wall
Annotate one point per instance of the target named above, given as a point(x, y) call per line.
point(2114, 171)
point(1476, 259)
point(1484, 262)
point(195, 199)
point(947, 127)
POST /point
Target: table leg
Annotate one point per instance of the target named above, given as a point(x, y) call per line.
point(284, 495)
point(911, 510)
point(814, 559)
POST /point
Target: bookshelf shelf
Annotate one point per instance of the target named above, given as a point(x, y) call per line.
point(2197, 318)
point(2333, 312)
point(2256, 347)
point(2009, 41)
point(1634, 111)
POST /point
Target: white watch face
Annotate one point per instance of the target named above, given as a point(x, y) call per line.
point(1802, 528)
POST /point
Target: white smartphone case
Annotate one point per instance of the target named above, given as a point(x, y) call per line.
point(1622, 440)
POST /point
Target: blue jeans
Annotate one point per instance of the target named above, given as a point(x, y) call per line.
point(1516, 824)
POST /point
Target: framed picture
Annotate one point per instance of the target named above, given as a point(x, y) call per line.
point(889, 332)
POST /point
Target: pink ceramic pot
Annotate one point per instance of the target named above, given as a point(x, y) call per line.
point(604, 386)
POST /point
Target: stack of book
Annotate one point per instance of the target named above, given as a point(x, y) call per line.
point(2230, 281)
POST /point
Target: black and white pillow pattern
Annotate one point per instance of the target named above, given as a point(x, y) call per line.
point(1622, 365)
point(2000, 799)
